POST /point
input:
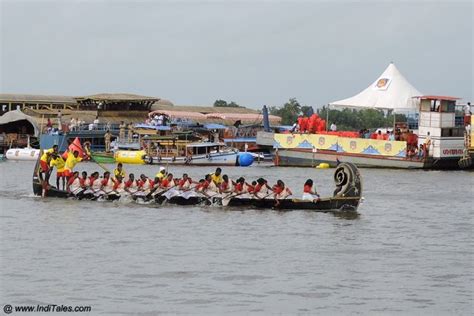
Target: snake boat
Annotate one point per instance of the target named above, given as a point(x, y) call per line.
point(347, 195)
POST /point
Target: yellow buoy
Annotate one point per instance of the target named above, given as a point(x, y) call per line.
point(323, 165)
point(130, 156)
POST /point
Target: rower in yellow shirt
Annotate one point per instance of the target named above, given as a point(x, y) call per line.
point(119, 171)
point(58, 162)
point(216, 177)
point(71, 161)
point(161, 174)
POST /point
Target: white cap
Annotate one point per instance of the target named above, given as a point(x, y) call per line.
point(162, 168)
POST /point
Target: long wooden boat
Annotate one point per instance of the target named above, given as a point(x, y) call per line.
point(347, 195)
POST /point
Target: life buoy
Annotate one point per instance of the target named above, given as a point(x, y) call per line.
point(208, 156)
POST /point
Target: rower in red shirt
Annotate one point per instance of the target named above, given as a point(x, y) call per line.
point(308, 193)
point(227, 185)
point(145, 184)
point(167, 182)
point(185, 182)
point(131, 185)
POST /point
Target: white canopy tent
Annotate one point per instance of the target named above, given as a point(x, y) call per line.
point(391, 91)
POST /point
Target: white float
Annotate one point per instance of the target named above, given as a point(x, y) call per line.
point(22, 154)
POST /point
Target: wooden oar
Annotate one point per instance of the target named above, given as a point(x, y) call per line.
point(261, 198)
point(100, 165)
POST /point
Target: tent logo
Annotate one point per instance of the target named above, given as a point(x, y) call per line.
point(382, 83)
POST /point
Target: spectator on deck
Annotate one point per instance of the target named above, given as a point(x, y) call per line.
point(122, 127)
point(107, 139)
point(333, 127)
point(72, 124)
point(130, 132)
point(379, 135)
point(391, 136)
point(467, 114)
point(427, 144)
point(96, 122)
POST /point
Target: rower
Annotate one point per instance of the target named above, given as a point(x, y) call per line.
point(58, 162)
point(250, 188)
point(204, 185)
point(184, 185)
point(216, 177)
point(131, 186)
point(119, 185)
point(308, 193)
point(280, 191)
point(74, 185)
point(44, 162)
point(185, 182)
point(145, 184)
point(92, 185)
point(119, 171)
point(168, 186)
point(71, 161)
point(161, 174)
point(260, 190)
point(167, 182)
point(107, 184)
point(227, 185)
point(83, 179)
point(239, 186)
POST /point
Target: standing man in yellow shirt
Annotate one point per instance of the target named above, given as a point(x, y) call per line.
point(44, 162)
point(71, 161)
point(58, 162)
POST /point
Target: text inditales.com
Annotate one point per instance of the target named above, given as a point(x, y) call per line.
point(49, 308)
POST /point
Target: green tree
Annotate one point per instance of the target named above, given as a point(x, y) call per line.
point(288, 112)
point(307, 110)
point(354, 120)
point(220, 103)
point(224, 104)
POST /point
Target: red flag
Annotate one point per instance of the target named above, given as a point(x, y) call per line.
point(75, 145)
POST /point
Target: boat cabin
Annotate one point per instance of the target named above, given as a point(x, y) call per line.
point(438, 119)
point(205, 148)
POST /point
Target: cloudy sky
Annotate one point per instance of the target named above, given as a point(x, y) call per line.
point(250, 52)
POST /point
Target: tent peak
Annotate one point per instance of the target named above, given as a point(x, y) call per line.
point(389, 92)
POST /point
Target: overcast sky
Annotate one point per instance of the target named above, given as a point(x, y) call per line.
point(253, 53)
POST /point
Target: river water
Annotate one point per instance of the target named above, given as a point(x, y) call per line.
point(410, 251)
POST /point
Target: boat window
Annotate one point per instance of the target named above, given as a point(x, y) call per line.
point(452, 132)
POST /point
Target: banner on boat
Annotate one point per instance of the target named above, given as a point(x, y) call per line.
point(372, 147)
point(307, 141)
point(341, 144)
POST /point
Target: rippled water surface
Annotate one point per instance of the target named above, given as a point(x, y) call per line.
point(410, 250)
